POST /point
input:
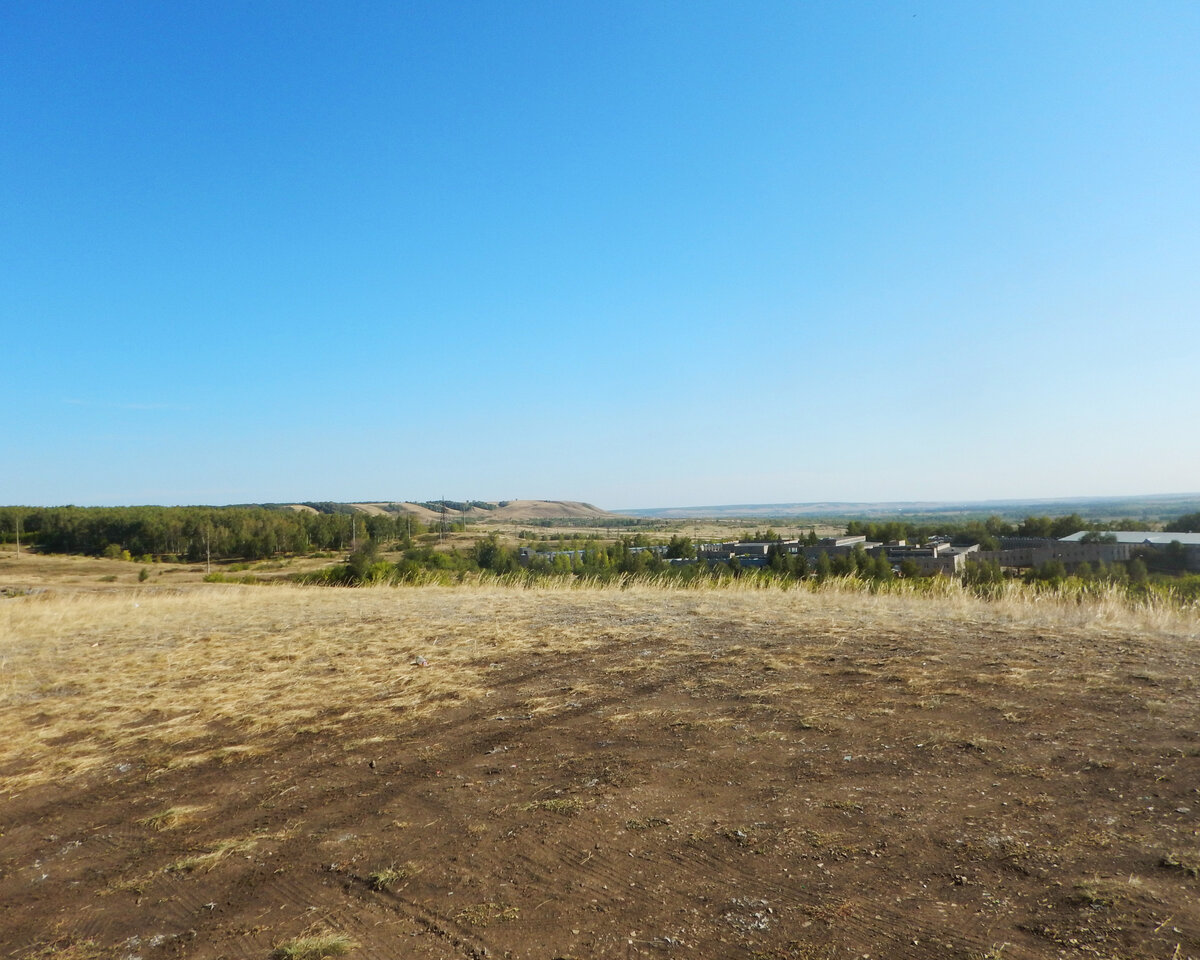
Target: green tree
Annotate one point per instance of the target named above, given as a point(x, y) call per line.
point(1188, 523)
point(1035, 527)
point(1137, 571)
point(364, 563)
point(681, 547)
point(976, 533)
point(1065, 526)
point(491, 554)
point(979, 572)
point(998, 526)
point(1171, 558)
point(1051, 571)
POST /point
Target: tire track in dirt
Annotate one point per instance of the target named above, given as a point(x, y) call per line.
point(882, 924)
point(301, 892)
point(592, 872)
point(467, 942)
point(635, 749)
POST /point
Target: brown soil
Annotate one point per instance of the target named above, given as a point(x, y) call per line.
point(698, 780)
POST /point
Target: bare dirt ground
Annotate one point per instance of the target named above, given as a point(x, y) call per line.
point(436, 773)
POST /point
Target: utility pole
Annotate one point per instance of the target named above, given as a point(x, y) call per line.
point(207, 552)
point(17, 527)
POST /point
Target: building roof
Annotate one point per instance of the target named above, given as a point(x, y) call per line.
point(1141, 536)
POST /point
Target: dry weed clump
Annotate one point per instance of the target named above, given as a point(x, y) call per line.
point(564, 806)
point(314, 946)
point(114, 685)
point(389, 877)
point(210, 858)
point(170, 818)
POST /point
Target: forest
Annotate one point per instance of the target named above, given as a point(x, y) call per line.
point(198, 533)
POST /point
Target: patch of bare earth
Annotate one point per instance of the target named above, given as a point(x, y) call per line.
point(435, 773)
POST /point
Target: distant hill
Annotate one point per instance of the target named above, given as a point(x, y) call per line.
point(1151, 508)
point(512, 511)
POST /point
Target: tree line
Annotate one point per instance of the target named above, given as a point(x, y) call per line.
point(988, 532)
point(622, 562)
point(255, 532)
point(626, 557)
point(197, 533)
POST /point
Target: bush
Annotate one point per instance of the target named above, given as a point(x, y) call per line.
point(365, 565)
point(1051, 572)
point(216, 577)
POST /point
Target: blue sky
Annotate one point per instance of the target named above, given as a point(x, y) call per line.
point(640, 254)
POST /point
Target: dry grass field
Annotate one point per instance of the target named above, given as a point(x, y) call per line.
point(67, 573)
point(245, 772)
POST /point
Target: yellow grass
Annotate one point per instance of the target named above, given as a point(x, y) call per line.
point(315, 946)
point(209, 858)
point(133, 683)
point(170, 818)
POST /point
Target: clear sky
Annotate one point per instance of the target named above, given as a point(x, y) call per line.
point(635, 253)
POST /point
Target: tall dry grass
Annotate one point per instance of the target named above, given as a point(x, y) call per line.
point(122, 684)
point(1011, 600)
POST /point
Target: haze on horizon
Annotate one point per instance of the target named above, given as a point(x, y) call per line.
point(626, 253)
